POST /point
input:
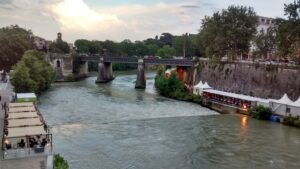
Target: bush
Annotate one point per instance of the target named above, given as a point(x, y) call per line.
point(291, 121)
point(60, 162)
point(261, 112)
point(174, 88)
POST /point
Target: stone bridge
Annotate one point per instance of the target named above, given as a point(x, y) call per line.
point(105, 72)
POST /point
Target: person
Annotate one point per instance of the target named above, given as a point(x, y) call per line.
point(44, 142)
point(22, 143)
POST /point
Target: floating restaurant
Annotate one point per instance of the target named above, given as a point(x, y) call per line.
point(237, 103)
point(25, 133)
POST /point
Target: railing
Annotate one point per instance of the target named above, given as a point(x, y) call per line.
point(178, 62)
point(27, 152)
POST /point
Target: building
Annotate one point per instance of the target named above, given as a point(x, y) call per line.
point(263, 25)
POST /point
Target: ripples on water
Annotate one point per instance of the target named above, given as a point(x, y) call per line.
point(114, 126)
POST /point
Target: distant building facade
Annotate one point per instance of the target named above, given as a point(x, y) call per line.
point(263, 25)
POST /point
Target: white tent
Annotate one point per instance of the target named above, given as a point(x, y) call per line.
point(206, 86)
point(284, 100)
point(198, 89)
point(282, 106)
point(297, 103)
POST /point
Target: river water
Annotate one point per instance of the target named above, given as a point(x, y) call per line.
point(114, 126)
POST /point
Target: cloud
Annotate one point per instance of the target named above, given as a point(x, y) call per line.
point(76, 15)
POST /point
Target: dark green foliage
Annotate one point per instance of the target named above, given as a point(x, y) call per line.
point(166, 52)
point(291, 121)
point(186, 45)
point(265, 43)
point(228, 33)
point(261, 112)
point(14, 41)
point(32, 73)
point(60, 162)
point(59, 47)
point(172, 87)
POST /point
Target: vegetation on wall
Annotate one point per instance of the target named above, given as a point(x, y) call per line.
point(32, 73)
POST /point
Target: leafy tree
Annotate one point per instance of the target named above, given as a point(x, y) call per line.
point(288, 31)
point(265, 42)
point(14, 41)
point(32, 73)
point(166, 38)
point(166, 52)
point(82, 45)
point(140, 48)
point(59, 47)
point(152, 49)
point(228, 32)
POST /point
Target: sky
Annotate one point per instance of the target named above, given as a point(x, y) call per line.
point(120, 19)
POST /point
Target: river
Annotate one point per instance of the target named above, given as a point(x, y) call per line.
point(114, 126)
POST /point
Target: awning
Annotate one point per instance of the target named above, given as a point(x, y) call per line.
point(236, 96)
point(24, 104)
point(22, 115)
point(21, 109)
point(24, 122)
point(26, 131)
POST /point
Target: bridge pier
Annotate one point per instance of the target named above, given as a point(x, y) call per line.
point(140, 82)
point(105, 72)
point(83, 69)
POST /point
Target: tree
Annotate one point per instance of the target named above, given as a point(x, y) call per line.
point(166, 38)
point(288, 31)
point(265, 43)
point(166, 52)
point(82, 45)
point(14, 41)
point(59, 47)
point(228, 32)
point(32, 73)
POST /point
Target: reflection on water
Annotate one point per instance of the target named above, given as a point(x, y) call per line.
point(114, 126)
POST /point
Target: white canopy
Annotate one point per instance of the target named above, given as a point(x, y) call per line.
point(26, 131)
point(199, 85)
point(297, 103)
point(284, 100)
point(206, 86)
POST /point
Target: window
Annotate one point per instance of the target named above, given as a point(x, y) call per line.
point(268, 21)
point(288, 110)
point(262, 20)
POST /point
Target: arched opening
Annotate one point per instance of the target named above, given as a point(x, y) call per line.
point(57, 63)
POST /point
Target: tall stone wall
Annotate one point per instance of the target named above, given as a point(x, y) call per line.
point(260, 80)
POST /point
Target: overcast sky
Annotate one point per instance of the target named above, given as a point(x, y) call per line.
point(120, 19)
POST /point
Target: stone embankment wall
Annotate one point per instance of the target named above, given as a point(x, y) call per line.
point(254, 79)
